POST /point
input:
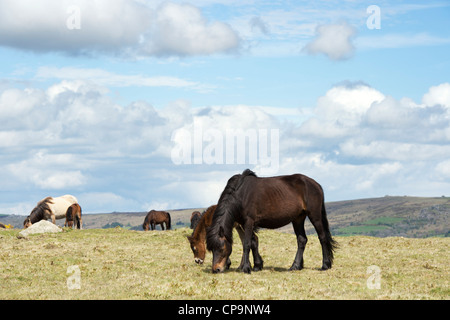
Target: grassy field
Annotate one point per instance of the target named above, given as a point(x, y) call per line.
point(123, 264)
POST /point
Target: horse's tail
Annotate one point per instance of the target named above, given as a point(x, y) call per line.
point(170, 222)
point(79, 218)
point(330, 244)
point(69, 213)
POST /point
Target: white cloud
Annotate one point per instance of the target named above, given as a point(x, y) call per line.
point(59, 180)
point(333, 40)
point(400, 41)
point(48, 171)
point(438, 95)
point(340, 111)
point(257, 24)
point(443, 170)
point(105, 25)
point(356, 142)
point(181, 29)
point(109, 79)
point(17, 108)
point(105, 202)
point(121, 27)
point(347, 101)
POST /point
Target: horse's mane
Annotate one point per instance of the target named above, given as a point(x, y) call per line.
point(225, 214)
point(38, 212)
point(204, 222)
point(195, 218)
point(147, 218)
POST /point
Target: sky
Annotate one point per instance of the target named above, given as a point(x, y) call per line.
point(133, 105)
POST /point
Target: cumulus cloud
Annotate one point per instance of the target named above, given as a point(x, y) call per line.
point(365, 114)
point(359, 139)
point(333, 40)
point(87, 143)
point(258, 24)
point(48, 171)
point(104, 25)
point(181, 29)
point(438, 95)
point(356, 141)
point(120, 27)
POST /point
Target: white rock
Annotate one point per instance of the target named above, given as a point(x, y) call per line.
point(42, 226)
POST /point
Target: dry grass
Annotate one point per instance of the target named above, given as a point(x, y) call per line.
point(123, 264)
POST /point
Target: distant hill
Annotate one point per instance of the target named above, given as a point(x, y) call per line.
point(413, 217)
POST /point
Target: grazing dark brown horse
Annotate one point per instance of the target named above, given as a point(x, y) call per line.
point(73, 214)
point(195, 218)
point(198, 240)
point(156, 217)
point(268, 203)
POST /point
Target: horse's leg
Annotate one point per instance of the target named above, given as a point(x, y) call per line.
point(247, 243)
point(162, 226)
point(316, 220)
point(53, 218)
point(241, 236)
point(299, 228)
point(257, 260)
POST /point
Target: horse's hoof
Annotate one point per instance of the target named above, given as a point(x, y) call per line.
point(257, 268)
point(247, 269)
point(295, 268)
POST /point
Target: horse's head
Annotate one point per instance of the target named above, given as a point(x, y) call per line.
point(27, 222)
point(198, 248)
point(146, 226)
point(221, 252)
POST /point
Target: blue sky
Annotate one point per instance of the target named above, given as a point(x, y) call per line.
point(95, 98)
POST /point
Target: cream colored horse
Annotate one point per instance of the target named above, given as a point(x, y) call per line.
point(50, 208)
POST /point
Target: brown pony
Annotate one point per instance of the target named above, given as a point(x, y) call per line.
point(195, 218)
point(268, 203)
point(73, 214)
point(156, 217)
point(198, 239)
